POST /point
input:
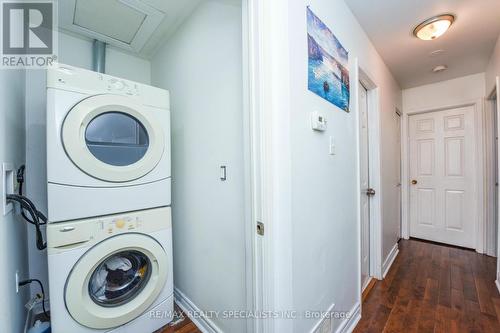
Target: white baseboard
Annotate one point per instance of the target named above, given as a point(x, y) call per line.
point(390, 260)
point(350, 323)
point(318, 324)
point(498, 285)
point(203, 323)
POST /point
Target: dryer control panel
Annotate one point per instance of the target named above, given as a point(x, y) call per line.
point(84, 81)
point(122, 86)
point(87, 232)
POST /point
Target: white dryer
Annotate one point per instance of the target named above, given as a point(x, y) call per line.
point(108, 145)
point(111, 274)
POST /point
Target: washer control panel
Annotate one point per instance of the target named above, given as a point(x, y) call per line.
point(65, 235)
point(121, 224)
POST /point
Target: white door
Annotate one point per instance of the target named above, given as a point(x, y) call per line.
point(365, 185)
point(442, 176)
point(397, 120)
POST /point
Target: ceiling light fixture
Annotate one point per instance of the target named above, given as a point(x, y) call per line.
point(439, 68)
point(434, 27)
point(436, 53)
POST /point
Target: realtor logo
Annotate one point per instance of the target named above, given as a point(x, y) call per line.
point(28, 33)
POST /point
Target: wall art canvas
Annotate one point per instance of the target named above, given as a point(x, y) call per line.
point(328, 63)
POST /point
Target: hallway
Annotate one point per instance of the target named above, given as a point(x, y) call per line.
point(434, 288)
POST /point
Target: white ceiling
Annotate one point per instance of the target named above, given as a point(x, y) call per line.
point(467, 46)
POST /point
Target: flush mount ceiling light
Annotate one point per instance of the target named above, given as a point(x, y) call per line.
point(439, 68)
point(434, 27)
point(436, 53)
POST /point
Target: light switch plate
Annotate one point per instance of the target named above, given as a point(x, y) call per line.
point(7, 186)
point(333, 147)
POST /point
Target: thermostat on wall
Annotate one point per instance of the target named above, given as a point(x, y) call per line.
point(318, 121)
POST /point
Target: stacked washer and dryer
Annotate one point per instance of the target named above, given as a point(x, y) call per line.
point(109, 239)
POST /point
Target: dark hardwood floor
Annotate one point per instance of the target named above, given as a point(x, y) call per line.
point(434, 288)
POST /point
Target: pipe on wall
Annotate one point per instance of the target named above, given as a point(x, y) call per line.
point(99, 56)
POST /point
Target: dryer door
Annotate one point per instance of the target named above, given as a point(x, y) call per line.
point(113, 284)
point(112, 138)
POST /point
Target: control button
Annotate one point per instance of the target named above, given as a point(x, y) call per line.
point(120, 223)
point(117, 85)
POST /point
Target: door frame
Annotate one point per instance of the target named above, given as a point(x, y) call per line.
point(490, 204)
point(269, 156)
point(373, 98)
point(478, 105)
point(497, 89)
point(361, 85)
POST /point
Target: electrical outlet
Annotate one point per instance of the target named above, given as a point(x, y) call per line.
point(7, 186)
point(17, 282)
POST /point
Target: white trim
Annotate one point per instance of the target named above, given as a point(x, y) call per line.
point(201, 321)
point(479, 184)
point(498, 165)
point(363, 288)
point(320, 321)
point(272, 158)
point(481, 235)
point(497, 283)
point(374, 172)
point(490, 155)
point(253, 256)
point(390, 259)
point(349, 324)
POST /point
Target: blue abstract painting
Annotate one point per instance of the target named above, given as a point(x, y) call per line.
point(328, 74)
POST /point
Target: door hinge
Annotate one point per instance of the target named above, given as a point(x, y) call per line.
point(260, 228)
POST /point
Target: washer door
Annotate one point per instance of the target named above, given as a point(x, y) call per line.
point(112, 284)
point(110, 138)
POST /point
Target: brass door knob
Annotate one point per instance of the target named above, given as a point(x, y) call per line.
point(414, 182)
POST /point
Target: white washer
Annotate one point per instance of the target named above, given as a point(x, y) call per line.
point(108, 145)
point(111, 274)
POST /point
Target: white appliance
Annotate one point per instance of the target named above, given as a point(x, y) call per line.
point(108, 145)
point(110, 274)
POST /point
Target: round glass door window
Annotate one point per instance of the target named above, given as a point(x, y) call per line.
point(119, 278)
point(117, 138)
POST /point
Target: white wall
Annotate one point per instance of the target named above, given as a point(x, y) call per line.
point(77, 51)
point(13, 252)
point(493, 69)
point(324, 188)
point(201, 66)
point(445, 93)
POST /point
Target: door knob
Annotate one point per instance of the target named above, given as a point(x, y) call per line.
point(370, 192)
point(414, 182)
